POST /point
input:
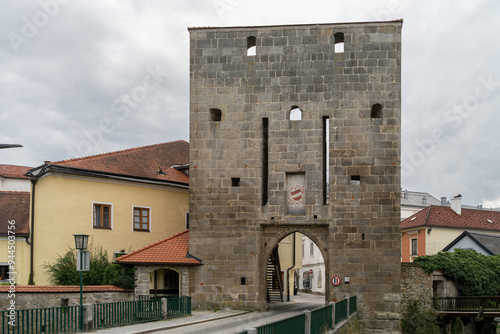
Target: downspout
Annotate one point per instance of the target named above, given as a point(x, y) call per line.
point(32, 229)
point(288, 269)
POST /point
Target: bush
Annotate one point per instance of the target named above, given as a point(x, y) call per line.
point(102, 272)
point(474, 274)
point(419, 320)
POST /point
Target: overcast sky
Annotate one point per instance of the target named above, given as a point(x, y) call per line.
point(87, 77)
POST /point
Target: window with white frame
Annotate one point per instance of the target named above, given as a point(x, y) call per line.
point(311, 249)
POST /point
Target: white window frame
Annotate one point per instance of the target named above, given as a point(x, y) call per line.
point(416, 246)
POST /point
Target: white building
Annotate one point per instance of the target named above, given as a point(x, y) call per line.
point(12, 178)
point(312, 273)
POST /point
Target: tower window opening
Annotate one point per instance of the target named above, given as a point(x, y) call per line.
point(251, 46)
point(339, 42)
point(215, 115)
point(295, 114)
point(376, 111)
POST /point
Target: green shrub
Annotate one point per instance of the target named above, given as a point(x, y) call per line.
point(102, 272)
point(474, 274)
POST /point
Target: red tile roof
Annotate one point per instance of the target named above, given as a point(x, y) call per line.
point(172, 250)
point(14, 206)
point(152, 161)
point(14, 172)
point(62, 288)
point(443, 216)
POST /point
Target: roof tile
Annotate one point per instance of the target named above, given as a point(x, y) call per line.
point(171, 250)
point(14, 172)
point(14, 205)
point(443, 216)
point(152, 161)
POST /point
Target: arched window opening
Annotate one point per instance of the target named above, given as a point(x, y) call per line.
point(251, 46)
point(376, 111)
point(295, 114)
point(215, 115)
point(339, 42)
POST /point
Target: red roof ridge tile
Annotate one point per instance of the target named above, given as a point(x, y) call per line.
point(121, 258)
point(114, 152)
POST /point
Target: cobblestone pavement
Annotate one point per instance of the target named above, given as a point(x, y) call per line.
point(224, 321)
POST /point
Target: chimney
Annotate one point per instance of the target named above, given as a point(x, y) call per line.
point(405, 194)
point(456, 204)
point(443, 201)
point(424, 200)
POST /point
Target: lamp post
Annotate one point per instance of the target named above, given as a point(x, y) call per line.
point(81, 241)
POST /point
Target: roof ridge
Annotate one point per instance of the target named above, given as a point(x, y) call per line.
point(115, 152)
point(151, 245)
point(14, 192)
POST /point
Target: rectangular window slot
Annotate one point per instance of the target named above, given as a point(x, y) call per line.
point(243, 280)
point(265, 159)
point(326, 159)
point(235, 181)
point(355, 180)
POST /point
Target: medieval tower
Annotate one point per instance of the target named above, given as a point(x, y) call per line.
point(297, 129)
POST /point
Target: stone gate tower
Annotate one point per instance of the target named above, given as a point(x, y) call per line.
point(297, 129)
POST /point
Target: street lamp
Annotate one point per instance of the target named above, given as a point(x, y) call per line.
point(81, 241)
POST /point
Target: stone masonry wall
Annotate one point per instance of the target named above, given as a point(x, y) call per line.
point(234, 222)
point(416, 284)
point(29, 300)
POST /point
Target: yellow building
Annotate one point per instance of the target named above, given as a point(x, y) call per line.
point(124, 200)
point(290, 255)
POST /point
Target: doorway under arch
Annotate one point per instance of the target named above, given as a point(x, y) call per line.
point(164, 281)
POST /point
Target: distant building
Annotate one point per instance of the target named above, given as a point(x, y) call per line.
point(312, 274)
point(433, 228)
point(484, 243)
point(414, 201)
point(12, 178)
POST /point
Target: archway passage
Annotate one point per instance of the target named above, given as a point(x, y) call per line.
point(285, 267)
point(164, 282)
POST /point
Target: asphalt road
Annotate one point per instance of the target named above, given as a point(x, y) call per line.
point(277, 311)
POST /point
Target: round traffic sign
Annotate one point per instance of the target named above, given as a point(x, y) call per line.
point(336, 280)
point(311, 271)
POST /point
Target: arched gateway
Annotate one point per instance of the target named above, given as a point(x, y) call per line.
point(258, 174)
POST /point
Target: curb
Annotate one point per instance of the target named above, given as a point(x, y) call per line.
point(152, 330)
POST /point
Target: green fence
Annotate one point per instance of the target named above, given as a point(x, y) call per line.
point(179, 306)
point(125, 313)
point(340, 311)
point(321, 320)
point(352, 305)
point(293, 325)
point(42, 320)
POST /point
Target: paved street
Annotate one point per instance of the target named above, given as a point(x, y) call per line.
point(231, 325)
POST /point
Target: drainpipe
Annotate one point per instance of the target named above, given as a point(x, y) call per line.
point(32, 229)
point(288, 269)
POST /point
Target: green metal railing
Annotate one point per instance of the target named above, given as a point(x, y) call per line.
point(340, 311)
point(352, 305)
point(293, 325)
point(321, 320)
point(179, 306)
point(42, 320)
point(125, 313)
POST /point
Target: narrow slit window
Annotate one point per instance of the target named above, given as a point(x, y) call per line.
point(339, 42)
point(295, 114)
point(243, 280)
point(376, 111)
point(355, 180)
point(251, 46)
point(265, 159)
point(215, 115)
point(326, 159)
